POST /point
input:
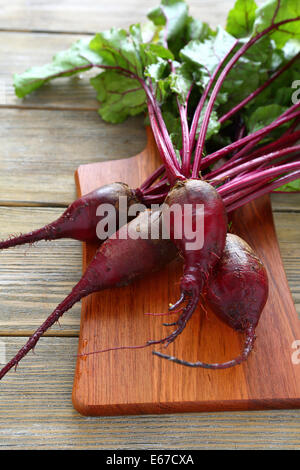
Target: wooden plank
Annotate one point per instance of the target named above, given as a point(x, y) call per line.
point(91, 16)
point(33, 280)
point(288, 233)
point(287, 202)
point(162, 385)
point(19, 51)
point(36, 413)
point(40, 151)
point(47, 140)
point(24, 427)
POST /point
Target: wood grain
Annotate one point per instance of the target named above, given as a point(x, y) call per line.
point(91, 16)
point(47, 140)
point(19, 51)
point(136, 382)
point(34, 279)
point(50, 145)
point(285, 202)
point(36, 410)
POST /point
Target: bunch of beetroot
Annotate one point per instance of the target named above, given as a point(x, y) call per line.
point(222, 110)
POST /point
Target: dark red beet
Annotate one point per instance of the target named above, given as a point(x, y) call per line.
point(198, 263)
point(237, 293)
point(118, 261)
point(79, 221)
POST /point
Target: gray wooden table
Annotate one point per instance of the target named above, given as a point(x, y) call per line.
point(43, 140)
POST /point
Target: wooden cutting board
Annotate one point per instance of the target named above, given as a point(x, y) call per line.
point(136, 382)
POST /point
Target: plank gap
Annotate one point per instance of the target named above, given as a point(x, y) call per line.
point(47, 108)
point(32, 204)
point(286, 211)
point(50, 334)
point(43, 31)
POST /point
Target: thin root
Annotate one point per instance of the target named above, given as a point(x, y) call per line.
point(181, 322)
point(249, 343)
point(179, 302)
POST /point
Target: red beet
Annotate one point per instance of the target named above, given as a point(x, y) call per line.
point(198, 261)
point(121, 259)
point(79, 221)
point(237, 293)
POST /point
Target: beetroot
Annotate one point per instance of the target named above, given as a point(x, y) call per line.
point(130, 253)
point(79, 221)
point(237, 293)
point(198, 261)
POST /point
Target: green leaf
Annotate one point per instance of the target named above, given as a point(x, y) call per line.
point(161, 52)
point(74, 60)
point(172, 14)
point(277, 11)
point(206, 55)
point(181, 81)
point(150, 32)
point(119, 96)
point(152, 53)
point(213, 124)
point(172, 121)
point(263, 116)
point(291, 48)
point(248, 73)
point(118, 48)
point(241, 18)
point(157, 70)
point(196, 29)
point(159, 74)
point(290, 187)
point(281, 91)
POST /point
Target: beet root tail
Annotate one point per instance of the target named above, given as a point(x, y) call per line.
point(178, 303)
point(181, 322)
point(44, 233)
point(249, 343)
point(79, 291)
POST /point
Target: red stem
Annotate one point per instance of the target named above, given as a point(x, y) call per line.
point(257, 177)
point(264, 190)
point(152, 178)
point(186, 151)
point(172, 172)
point(204, 97)
point(251, 137)
point(258, 90)
point(254, 163)
point(204, 126)
point(233, 197)
point(223, 75)
point(286, 138)
point(157, 188)
point(161, 122)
